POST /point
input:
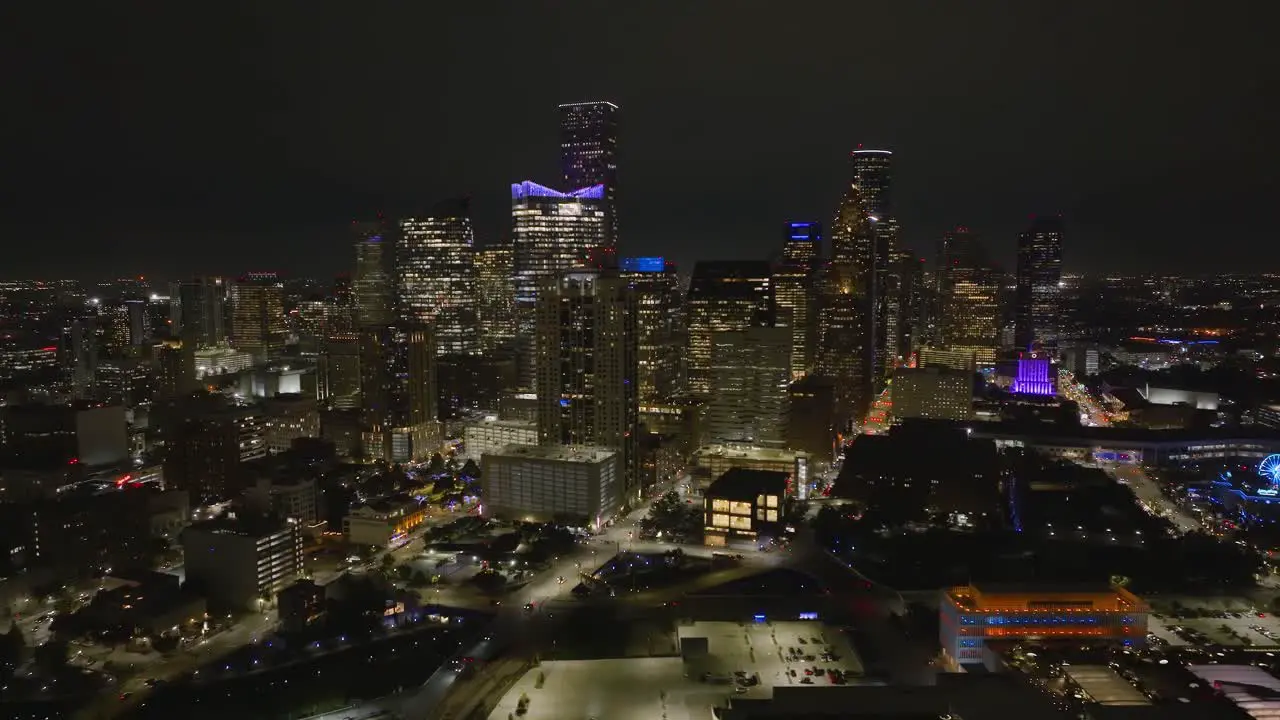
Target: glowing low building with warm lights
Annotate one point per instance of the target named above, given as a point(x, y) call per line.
point(971, 616)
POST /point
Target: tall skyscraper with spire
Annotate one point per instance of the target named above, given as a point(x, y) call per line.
point(589, 153)
point(1039, 281)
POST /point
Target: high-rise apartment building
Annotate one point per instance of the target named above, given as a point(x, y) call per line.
point(586, 366)
point(1039, 284)
point(496, 295)
point(196, 311)
point(339, 376)
point(551, 232)
point(398, 391)
point(803, 244)
point(750, 374)
point(724, 296)
point(657, 290)
point(589, 153)
point(257, 315)
point(436, 276)
point(372, 288)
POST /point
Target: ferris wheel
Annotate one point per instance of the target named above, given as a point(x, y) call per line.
point(1270, 468)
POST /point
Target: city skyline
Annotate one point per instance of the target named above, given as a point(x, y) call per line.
point(131, 180)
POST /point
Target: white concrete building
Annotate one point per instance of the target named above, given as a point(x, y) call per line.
point(552, 482)
point(491, 435)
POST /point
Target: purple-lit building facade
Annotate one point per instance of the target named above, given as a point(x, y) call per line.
point(589, 153)
point(551, 232)
point(1035, 375)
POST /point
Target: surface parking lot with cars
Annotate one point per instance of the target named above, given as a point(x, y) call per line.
point(1230, 629)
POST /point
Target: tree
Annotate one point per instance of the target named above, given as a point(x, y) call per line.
point(436, 465)
point(418, 580)
point(672, 516)
point(405, 573)
point(470, 469)
point(387, 562)
point(13, 651)
point(52, 656)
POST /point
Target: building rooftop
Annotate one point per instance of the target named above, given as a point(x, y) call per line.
point(563, 453)
point(741, 483)
point(751, 453)
point(497, 423)
point(1051, 597)
point(244, 525)
point(1088, 435)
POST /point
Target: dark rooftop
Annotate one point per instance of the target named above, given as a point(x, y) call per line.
point(744, 484)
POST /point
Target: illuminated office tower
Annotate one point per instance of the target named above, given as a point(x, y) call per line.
point(873, 177)
point(371, 286)
point(497, 298)
point(845, 290)
point(589, 153)
point(750, 375)
point(1039, 284)
point(794, 292)
point(196, 311)
point(913, 303)
point(436, 276)
point(398, 392)
point(971, 306)
point(803, 244)
point(257, 315)
point(724, 296)
point(551, 232)
point(657, 290)
point(587, 367)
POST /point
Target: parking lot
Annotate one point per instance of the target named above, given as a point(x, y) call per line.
point(1227, 628)
point(777, 653)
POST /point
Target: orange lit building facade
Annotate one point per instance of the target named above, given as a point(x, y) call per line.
point(970, 616)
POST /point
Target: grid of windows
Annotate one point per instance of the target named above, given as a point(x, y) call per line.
point(436, 274)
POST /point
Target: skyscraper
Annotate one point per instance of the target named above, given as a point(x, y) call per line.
point(872, 172)
point(794, 292)
point(724, 295)
point(436, 276)
point(196, 311)
point(551, 232)
point(802, 244)
point(257, 319)
point(750, 374)
point(589, 152)
point(657, 289)
point(1039, 281)
point(497, 298)
point(845, 317)
point(398, 392)
point(971, 301)
point(587, 368)
point(372, 285)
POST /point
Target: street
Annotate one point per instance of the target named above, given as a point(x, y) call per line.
point(1152, 498)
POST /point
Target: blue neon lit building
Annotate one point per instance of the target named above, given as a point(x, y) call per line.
point(643, 264)
point(970, 616)
point(803, 244)
point(1251, 493)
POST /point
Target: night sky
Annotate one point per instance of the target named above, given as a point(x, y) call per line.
point(145, 138)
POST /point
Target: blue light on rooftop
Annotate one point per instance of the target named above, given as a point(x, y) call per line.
point(530, 189)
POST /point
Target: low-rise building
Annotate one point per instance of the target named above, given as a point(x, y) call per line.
point(301, 606)
point(745, 504)
point(972, 615)
point(578, 484)
point(384, 523)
